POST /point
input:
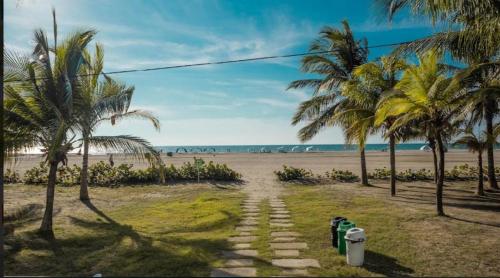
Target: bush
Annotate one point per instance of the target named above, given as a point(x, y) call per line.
point(342, 175)
point(37, 175)
point(11, 176)
point(292, 173)
point(103, 174)
point(418, 175)
point(380, 174)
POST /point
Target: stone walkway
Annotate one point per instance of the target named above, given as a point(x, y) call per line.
point(284, 242)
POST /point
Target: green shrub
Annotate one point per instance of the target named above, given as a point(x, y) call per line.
point(342, 175)
point(380, 174)
point(11, 176)
point(37, 175)
point(103, 174)
point(292, 173)
point(412, 175)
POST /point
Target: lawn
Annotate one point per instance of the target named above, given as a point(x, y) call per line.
point(146, 230)
point(405, 238)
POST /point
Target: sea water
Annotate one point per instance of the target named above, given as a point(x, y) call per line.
point(285, 148)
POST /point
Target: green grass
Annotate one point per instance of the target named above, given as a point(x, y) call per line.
point(263, 264)
point(178, 234)
point(401, 241)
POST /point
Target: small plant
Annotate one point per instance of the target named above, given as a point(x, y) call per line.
point(380, 174)
point(291, 173)
point(342, 175)
point(37, 175)
point(11, 176)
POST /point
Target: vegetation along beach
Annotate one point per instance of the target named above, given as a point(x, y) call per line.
point(231, 139)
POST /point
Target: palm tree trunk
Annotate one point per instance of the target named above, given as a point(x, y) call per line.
point(440, 178)
point(432, 144)
point(491, 149)
point(392, 155)
point(84, 176)
point(46, 227)
point(364, 174)
point(480, 186)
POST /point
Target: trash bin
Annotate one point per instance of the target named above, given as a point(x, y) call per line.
point(355, 242)
point(342, 230)
point(334, 224)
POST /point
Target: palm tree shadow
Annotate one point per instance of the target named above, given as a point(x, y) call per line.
point(385, 265)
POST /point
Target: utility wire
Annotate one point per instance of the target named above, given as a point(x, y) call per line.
point(220, 62)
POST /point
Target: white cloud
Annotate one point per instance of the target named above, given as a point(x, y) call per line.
point(276, 103)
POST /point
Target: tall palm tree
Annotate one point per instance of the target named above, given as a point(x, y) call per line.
point(475, 144)
point(379, 78)
point(471, 36)
point(343, 54)
point(39, 109)
point(106, 101)
point(425, 94)
point(483, 100)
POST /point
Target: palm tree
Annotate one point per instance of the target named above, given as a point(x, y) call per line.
point(102, 101)
point(39, 107)
point(471, 37)
point(425, 94)
point(483, 99)
point(379, 78)
point(475, 144)
point(342, 54)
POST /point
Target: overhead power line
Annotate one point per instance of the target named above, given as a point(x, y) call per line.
point(222, 62)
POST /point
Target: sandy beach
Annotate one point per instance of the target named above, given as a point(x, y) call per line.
point(262, 165)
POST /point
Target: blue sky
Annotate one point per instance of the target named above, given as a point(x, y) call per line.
point(211, 105)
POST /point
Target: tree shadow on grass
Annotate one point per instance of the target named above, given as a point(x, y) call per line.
point(385, 265)
point(111, 248)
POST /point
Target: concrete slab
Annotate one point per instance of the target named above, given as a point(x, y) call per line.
point(289, 245)
point(249, 222)
point(234, 272)
point(245, 234)
point(235, 254)
point(281, 220)
point(238, 262)
point(279, 216)
point(274, 224)
point(295, 263)
point(286, 253)
point(242, 239)
point(242, 246)
point(283, 239)
point(246, 228)
point(284, 233)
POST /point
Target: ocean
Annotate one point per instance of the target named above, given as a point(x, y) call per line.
point(285, 148)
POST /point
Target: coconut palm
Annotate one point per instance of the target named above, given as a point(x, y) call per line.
point(425, 94)
point(475, 144)
point(379, 78)
point(39, 110)
point(471, 36)
point(483, 98)
point(471, 27)
point(344, 54)
point(106, 101)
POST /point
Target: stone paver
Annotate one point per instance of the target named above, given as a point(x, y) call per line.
point(242, 246)
point(286, 253)
point(280, 212)
point(238, 262)
point(234, 272)
point(283, 239)
point(295, 263)
point(242, 239)
point(245, 233)
point(235, 254)
point(284, 233)
point(279, 216)
point(246, 210)
point(251, 214)
point(289, 245)
point(274, 224)
point(281, 220)
point(249, 222)
point(246, 228)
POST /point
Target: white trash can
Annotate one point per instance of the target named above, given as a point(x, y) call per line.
point(355, 243)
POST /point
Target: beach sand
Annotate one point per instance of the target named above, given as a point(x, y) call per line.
point(263, 164)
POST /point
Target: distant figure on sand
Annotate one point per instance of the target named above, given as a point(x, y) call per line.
point(111, 162)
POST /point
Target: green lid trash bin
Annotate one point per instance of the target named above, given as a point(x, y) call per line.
point(342, 230)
